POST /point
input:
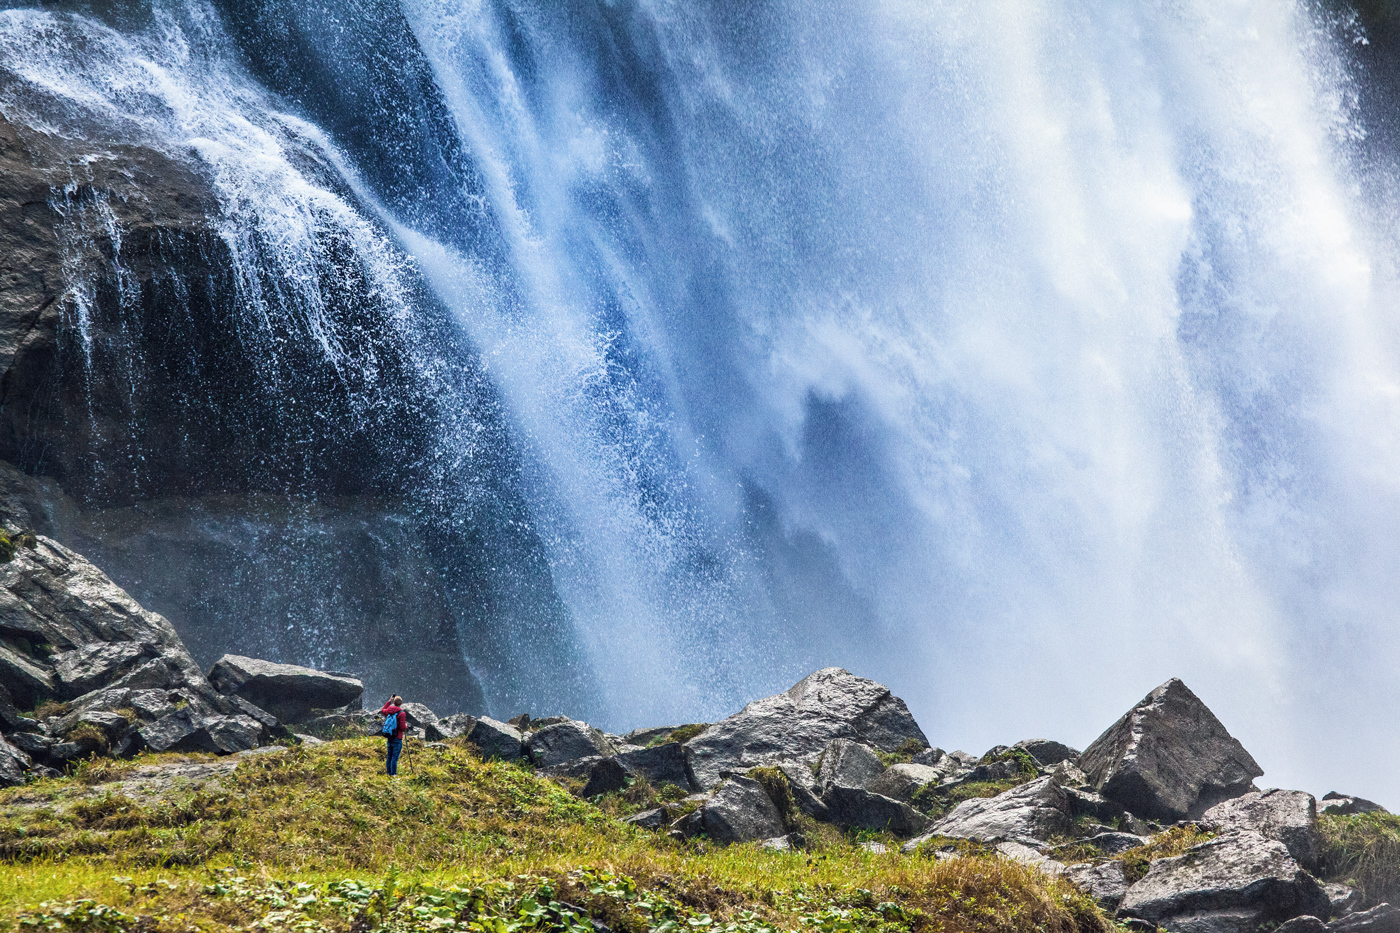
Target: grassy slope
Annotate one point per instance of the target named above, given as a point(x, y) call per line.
point(445, 846)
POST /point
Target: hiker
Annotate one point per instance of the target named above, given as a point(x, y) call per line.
point(394, 707)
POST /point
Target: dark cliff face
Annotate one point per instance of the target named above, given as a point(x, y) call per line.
point(270, 498)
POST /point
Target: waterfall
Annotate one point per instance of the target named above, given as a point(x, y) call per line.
point(1020, 356)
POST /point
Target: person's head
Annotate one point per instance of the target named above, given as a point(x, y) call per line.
point(396, 700)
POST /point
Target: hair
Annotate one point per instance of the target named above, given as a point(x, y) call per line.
point(396, 700)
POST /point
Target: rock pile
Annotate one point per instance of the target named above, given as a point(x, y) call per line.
point(84, 670)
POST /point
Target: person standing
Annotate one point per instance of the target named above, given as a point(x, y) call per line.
point(394, 707)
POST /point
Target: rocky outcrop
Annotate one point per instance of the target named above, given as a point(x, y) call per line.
point(1348, 804)
point(741, 811)
point(1030, 814)
point(1106, 882)
point(1286, 816)
point(659, 765)
point(1235, 882)
point(288, 691)
point(901, 781)
point(496, 739)
point(1047, 753)
point(567, 741)
point(846, 763)
point(798, 724)
point(857, 808)
point(1169, 758)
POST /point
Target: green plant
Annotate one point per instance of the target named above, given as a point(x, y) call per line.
point(1364, 851)
point(1175, 841)
point(680, 734)
point(52, 708)
point(87, 735)
point(902, 755)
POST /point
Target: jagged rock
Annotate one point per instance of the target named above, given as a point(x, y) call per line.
point(663, 764)
point(26, 679)
point(1169, 758)
point(496, 739)
point(653, 819)
point(645, 737)
point(899, 782)
point(1069, 774)
point(805, 790)
point(1047, 753)
point(848, 764)
point(576, 768)
point(857, 808)
point(458, 724)
point(606, 776)
point(12, 718)
point(828, 704)
point(1380, 919)
point(929, 757)
point(1112, 843)
point(1031, 813)
point(994, 771)
point(1106, 882)
point(1346, 805)
point(423, 722)
point(290, 692)
point(93, 666)
point(1239, 878)
point(1288, 816)
point(537, 724)
point(741, 811)
point(33, 744)
point(187, 730)
point(1027, 855)
point(566, 741)
point(112, 725)
point(1344, 899)
point(14, 765)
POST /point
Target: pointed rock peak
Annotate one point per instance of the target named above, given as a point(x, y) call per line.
point(1169, 757)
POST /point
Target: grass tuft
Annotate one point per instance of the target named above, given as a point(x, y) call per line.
point(1173, 842)
point(1363, 850)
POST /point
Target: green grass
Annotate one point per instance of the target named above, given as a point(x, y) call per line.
point(1363, 851)
point(318, 839)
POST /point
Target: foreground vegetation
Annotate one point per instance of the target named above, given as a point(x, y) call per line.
point(316, 838)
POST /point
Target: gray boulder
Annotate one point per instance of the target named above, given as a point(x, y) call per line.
point(1046, 752)
point(1382, 918)
point(1287, 816)
point(93, 666)
point(1236, 881)
point(606, 776)
point(1106, 882)
point(1114, 843)
point(423, 722)
point(741, 811)
point(653, 819)
point(899, 782)
point(458, 724)
point(1344, 899)
point(1303, 924)
point(496, 739)
point(290, 692)
point(14, 765)
point(1030, 814)
point(848, 764)
point(28, 680)
point(805, 790)
point(857, 808)
point(190, 730)
point(797, 724)
point(662, 764)
point(1347, 805)
point(566, 741)
point(1169, 758)
point(929, 756)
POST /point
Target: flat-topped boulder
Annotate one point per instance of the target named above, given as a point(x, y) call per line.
point(290, 692)
point(798, 724)
point(1286, 816)
point(1032, 813)
point(1239, 877)
point(1169, 758)
point(566, 741)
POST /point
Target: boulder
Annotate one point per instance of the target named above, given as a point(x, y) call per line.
point(1031, 814)
point(1106, 882)
point(606, 776)
point(645, 737)
point(14, 765)
point(1346, 805)
point(496, 739)
point(93, 666)
point(848, 764)
point(12, 718)
point(1029, 855)
point(188, 730)
point(290, 692)
point(899, 782)
point(566, 741)
point(1304, 924)
point(27, 679)
point(342, 725)
point(741, 811)
point(799, 723)
point(662, 764)
point(1236, 881)
point(458, 724)
point(929, 756)
point(857, 808)
point(1344, 899)
point(806, 792)
point(423, 722)
point(1287, 816)
point(653, 819)
point(1113, 843)
point(1169, 758)
point(1046, 752)
point(1382, 918)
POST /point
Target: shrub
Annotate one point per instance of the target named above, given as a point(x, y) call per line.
point(1364, 851)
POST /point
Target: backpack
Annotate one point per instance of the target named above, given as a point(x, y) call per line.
point(391, 725)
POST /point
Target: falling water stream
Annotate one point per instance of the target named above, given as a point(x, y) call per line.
point(1017, 355)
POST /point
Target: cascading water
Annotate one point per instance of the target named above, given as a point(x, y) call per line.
point(1017, 355)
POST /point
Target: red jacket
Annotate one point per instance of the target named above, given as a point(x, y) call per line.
point(403, 718)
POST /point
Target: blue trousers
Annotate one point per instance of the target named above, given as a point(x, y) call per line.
point(395, 748)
